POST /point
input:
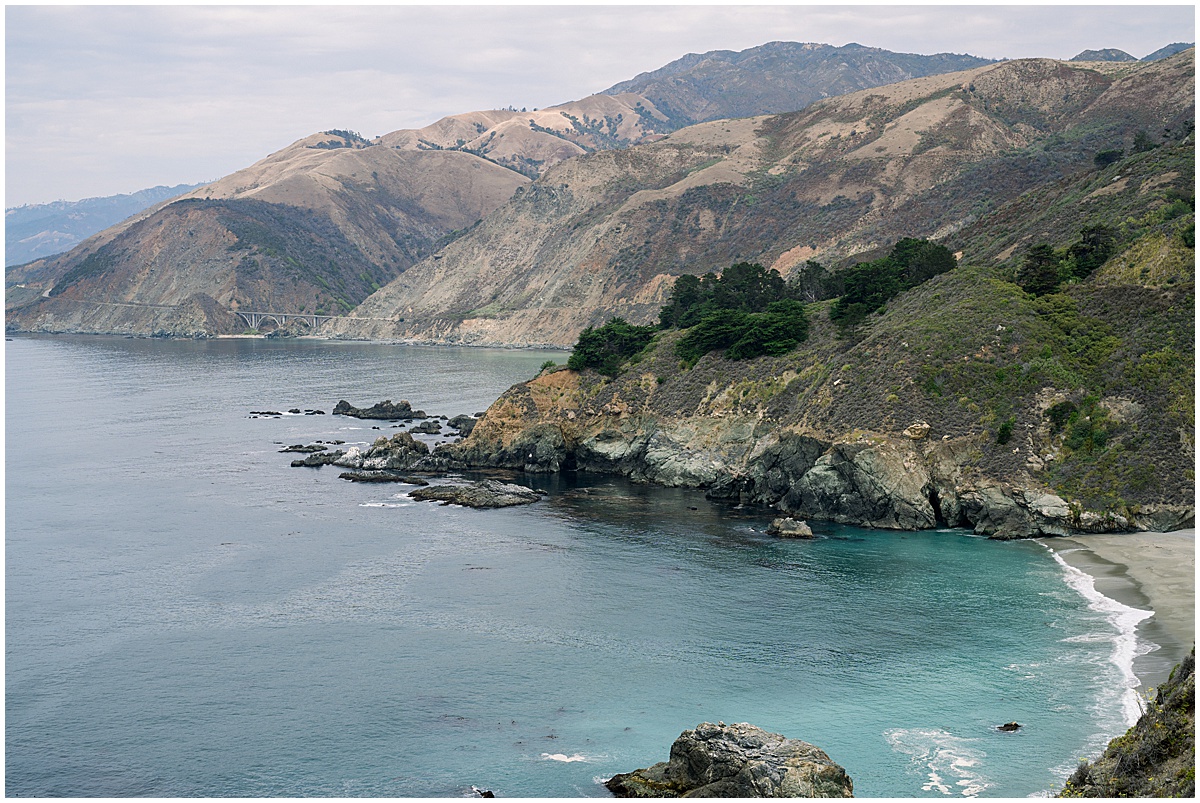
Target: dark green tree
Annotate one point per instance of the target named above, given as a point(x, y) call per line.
point(607, 348)
point(1039, 270)
point(1095, 245)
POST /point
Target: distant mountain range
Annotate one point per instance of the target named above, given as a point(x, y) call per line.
point(41, 230)
point(610, 195)
point(1113, 54)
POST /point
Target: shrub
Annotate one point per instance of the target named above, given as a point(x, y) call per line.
point(605, 349)
point(1004, 433)
point(547, 364)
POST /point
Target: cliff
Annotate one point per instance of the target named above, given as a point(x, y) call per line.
point(1157, 757)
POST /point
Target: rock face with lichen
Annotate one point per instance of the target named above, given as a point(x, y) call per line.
point(739, 760)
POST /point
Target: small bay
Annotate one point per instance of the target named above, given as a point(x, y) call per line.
point(186, 615)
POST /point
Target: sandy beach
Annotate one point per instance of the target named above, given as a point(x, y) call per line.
point(1149, 571)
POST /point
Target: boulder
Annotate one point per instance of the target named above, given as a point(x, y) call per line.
point(787, 527)
point(872, 485)
point(463, 423)
point(299, 447)
point(917, 431)
point(737, 761)
point(427, 428)
point(484, 494)
point(383, 411)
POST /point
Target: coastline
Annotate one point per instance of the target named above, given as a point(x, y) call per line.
point(1143, 571)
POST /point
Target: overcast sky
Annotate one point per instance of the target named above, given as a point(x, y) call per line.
point(102, 100)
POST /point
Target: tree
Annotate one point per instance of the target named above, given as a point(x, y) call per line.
point(813, 282)
point(1039, 271)
point(1095, 245)
point(607, 348)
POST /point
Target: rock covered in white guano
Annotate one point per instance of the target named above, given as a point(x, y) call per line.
point(739, 760)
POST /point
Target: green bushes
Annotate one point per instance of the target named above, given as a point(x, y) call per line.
point(1044, 269)
point(745, 335)
point(605, 349)
point(870, 285)
point(744, 287)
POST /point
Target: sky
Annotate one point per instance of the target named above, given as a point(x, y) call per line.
point(103, 100)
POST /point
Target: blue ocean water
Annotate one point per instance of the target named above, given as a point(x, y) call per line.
point(186, 615)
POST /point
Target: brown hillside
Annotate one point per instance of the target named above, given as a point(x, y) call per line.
point(607, 233)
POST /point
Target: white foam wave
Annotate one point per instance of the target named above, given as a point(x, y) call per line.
point(564, 757)
point(1126, 644)
point(951, 763)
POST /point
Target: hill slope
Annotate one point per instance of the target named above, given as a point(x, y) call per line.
point(606, 234)
point(388, 203)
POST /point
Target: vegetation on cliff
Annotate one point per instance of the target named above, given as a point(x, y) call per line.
point(1157, 757)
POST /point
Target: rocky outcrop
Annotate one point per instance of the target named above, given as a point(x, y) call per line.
point(902, 480)
point(1157, 756)
point(484, 494)
point(384, 411)
point(400, 452)
point(737, 761)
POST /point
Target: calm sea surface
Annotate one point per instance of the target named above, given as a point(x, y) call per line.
point(186, 615)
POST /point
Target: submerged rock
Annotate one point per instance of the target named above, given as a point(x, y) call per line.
point(299, 447)
point(380, 476)
point(486, 494)
point(1009, 727)
point(384, 411)
point(739, 760)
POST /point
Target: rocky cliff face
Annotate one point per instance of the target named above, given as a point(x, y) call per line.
point(606, 234)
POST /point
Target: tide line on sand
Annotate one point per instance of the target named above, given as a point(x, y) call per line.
point(1126, 645)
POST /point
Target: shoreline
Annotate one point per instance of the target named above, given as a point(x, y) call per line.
point(1148, 572)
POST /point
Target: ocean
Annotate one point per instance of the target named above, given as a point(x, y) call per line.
point(187, 615)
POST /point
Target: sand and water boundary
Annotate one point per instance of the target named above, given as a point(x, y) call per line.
point(1148, 572)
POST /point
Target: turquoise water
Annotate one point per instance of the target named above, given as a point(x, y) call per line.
point(186, 615)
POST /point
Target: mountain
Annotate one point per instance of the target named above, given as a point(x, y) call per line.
point(1107, 54)
point(607, 233)
point(1169, 50)
point(377, 207)
point(777, 77)
point(41, 230)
